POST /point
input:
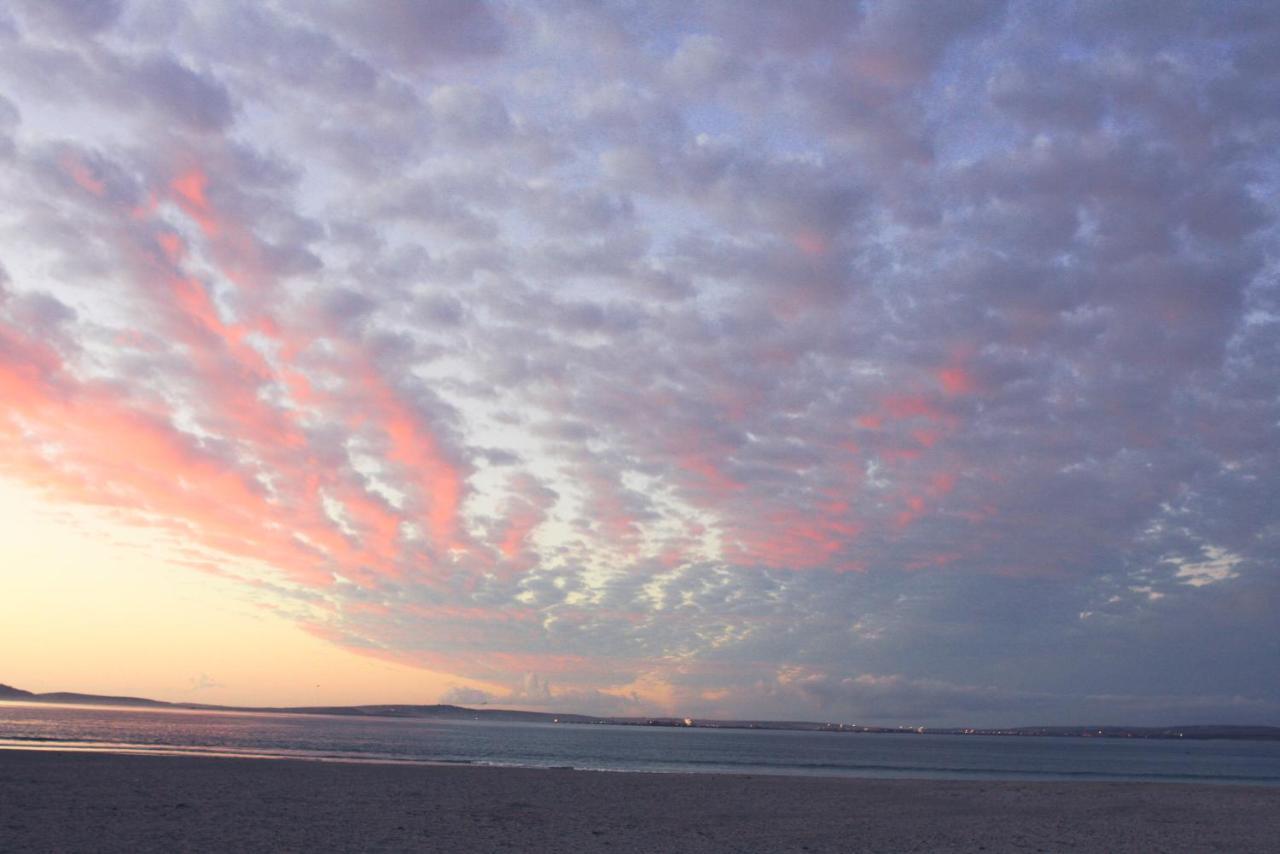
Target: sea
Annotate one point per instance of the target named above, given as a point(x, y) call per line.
point(336, 738)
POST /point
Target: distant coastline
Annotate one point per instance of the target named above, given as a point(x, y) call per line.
point(453, 712)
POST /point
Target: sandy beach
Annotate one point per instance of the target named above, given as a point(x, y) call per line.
point(53, 801)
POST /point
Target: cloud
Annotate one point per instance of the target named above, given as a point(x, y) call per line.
point(10, 118)
point(925, 357)
point(191, 98)
point(465, 696)
point(203, 682)
point(415, 34)
point(74, 17)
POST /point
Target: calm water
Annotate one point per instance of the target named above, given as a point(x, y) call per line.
point(623, 748)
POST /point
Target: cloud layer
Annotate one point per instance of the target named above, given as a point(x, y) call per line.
point(867, 362)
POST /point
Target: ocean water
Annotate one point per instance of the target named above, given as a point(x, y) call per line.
point(628, 748)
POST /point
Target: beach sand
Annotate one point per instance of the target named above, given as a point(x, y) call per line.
point(55, 801)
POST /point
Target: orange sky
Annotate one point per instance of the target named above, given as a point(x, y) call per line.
point(95, 606)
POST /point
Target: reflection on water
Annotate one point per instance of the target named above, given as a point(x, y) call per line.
point(625, 748)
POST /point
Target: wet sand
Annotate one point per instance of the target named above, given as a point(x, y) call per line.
point(51, 801)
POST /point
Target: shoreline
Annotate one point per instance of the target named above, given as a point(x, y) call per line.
point(393, 711)
point(869, 773)
point(57, 800)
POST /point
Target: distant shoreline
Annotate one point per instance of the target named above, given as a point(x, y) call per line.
point(452, 712)
point(110, 802)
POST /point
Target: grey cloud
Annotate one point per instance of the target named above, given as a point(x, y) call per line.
point(10, 118)
point(702, 62)
point(41, 312)
point(417, 34)
point(255, 38)
point(1059, 95)
point(468, 115)
point(436, 204)
point(74, 17)
point(344, 306)
point(443, 309)
point(192, 98)
point(909, 40)
point(801, 27)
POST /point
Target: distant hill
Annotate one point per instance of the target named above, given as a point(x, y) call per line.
point(71, 698)
point(450, 712)
point(442, 711)
point(8, 692)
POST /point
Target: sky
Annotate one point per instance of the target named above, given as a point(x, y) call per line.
point(873, 362)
